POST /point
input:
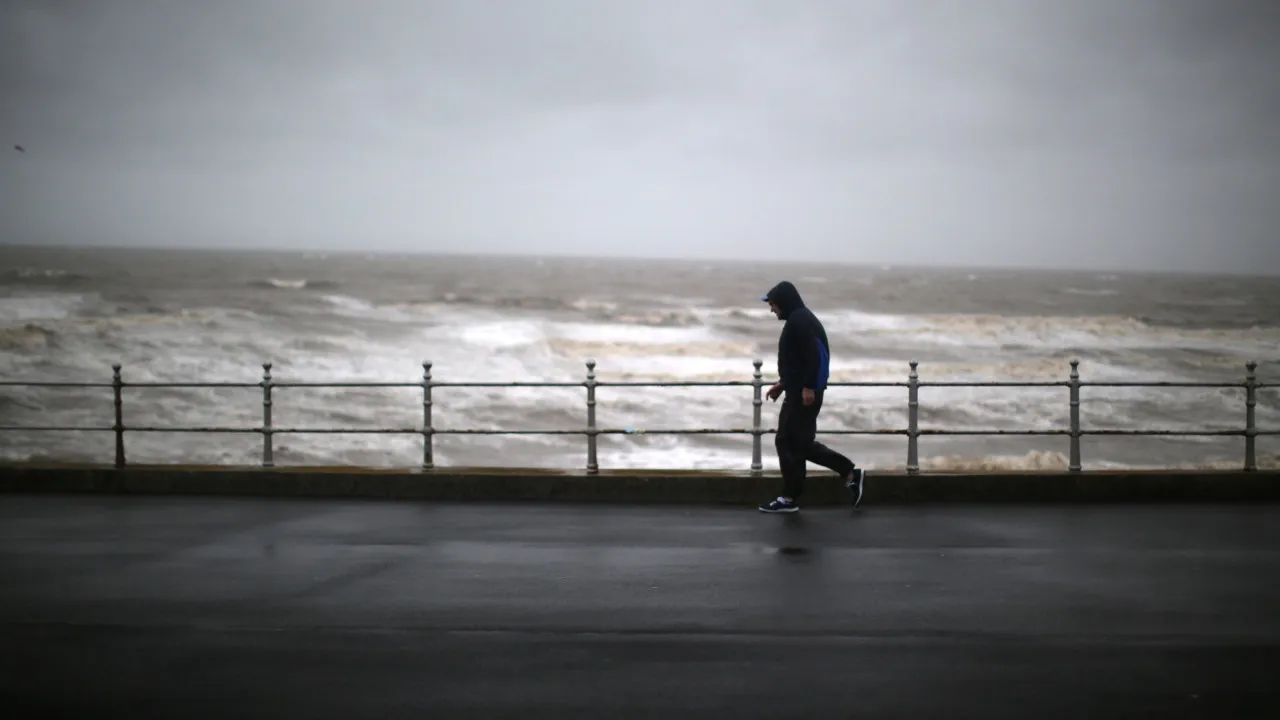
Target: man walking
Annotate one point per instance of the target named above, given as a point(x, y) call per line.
point(804, 364)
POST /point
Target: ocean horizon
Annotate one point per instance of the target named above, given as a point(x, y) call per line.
point(258, 250)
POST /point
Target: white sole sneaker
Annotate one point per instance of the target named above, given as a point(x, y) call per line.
point(855, 486)
point(777, 507)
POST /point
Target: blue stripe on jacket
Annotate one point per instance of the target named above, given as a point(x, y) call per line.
point(824, 365)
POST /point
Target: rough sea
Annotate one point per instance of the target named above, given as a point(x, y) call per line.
point(69, 314)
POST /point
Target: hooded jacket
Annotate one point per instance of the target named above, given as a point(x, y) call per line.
point(804, 360)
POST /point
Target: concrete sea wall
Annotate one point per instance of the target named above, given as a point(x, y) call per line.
point(657, 486)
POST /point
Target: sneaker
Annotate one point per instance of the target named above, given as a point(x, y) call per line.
point(854, 483)
point(781, 505)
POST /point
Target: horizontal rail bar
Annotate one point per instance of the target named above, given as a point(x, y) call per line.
point(1169, 433)
point(190, 385)
point(673, 431)
point(738, 431)
point(606, 383)
point(851, 432)
point(1010, 384)
point(16, 383)
point(371, 384)
point(939, 431)
point(346, 431)
point(481, 431)
point(868, 384)
point(678, 383)
point(731, 383)
point(353, 384)
point(1166, 384)
point(505, 384)
point(56, 428)
point(180, 429)
point(625, 431)
point(351, 431)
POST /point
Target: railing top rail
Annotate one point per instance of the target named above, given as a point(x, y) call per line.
point(43, 383)
point(531, 383)
point(993, 383)
point(624, 431)
point(640, 384)
point(1161, 383)
point(56, 428)
point(593, 381)
point(349, 383)
point(675, 383)
point(214, 384)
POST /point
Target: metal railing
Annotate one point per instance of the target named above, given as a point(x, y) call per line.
point(428, 431)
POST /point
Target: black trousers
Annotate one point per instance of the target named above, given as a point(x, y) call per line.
point(797, 444)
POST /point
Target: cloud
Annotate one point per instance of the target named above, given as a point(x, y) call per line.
point(1135, 134)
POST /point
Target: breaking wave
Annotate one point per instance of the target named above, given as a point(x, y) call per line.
point(18, 309)
point(1091, 292)
point(737, 350)
point(298, 284)
point(29, 338)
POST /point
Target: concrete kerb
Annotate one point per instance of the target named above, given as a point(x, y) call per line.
point(641, 486)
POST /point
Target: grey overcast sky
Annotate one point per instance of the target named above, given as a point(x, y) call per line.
point(1126, 134)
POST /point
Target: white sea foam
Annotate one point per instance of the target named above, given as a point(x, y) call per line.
point(676, 368)
point(670, 453)
point(855, 321)
point(623, 333)
point(350, 305)
point(1092, 292)
point(19, 309)
point(502, 334)
point(590, 305)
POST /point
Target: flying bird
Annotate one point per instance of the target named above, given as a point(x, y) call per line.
point(20, 149)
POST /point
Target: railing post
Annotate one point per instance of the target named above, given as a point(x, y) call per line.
point(117, 390)
point(757, 401)
point(268, 460)
point(592, 466)
point(428, 460)
point(1250, 423)
point(1074, 463)
point(913, 421)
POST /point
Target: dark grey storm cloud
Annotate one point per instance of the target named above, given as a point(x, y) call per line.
point(1135, 134)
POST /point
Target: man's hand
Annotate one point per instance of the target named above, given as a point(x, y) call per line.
point(808, 396)
point(774, 392)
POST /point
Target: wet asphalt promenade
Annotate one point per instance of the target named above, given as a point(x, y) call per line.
point(204, 607)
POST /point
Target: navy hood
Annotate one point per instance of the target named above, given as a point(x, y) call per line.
point(786, 296)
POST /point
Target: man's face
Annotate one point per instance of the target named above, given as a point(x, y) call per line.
point(773, 308)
